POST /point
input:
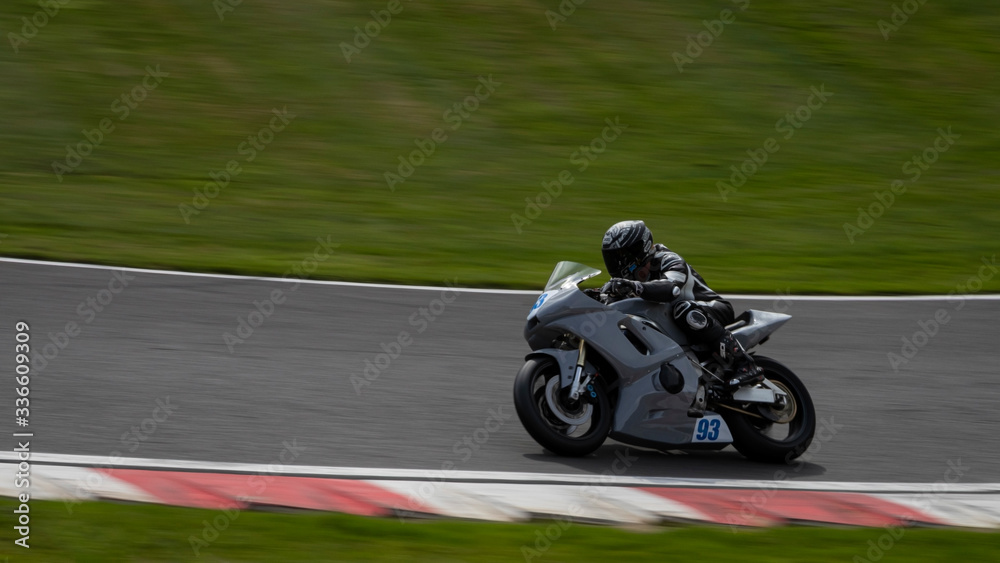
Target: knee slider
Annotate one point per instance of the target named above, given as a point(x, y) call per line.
point(691, 314)
point(696, 319)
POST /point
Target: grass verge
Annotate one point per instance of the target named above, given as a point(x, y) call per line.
point(124, 532)
point(323, 174)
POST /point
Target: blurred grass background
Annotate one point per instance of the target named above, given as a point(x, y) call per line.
point(324, 174)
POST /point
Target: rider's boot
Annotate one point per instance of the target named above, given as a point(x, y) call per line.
point(732, 356)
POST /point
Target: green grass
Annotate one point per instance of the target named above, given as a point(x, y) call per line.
point(115, 532)
point(324, 174)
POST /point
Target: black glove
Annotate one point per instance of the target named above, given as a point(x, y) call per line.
point(619, 287)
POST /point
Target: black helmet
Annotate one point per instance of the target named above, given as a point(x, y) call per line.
point(627, 245)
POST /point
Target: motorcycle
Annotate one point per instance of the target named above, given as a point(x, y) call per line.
point(625, 370)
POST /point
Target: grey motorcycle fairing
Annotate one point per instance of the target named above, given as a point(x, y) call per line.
point(645, 412)
point(659, 314)
point(637, 338)
point(757, 326)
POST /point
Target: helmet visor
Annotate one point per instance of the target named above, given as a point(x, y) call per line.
point(621, 263)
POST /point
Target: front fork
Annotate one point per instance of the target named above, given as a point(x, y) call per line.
point(578, 380)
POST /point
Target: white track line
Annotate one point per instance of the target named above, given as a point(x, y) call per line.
point(489, 476)
point(267, 279)
point(775, 297)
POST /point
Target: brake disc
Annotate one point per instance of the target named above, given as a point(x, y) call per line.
point(573, 417)
point(781, 414)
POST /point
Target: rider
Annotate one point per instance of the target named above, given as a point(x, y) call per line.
point(639, 268)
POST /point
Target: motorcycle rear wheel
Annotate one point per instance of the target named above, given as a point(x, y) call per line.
point(544, 426)
point(751, 434)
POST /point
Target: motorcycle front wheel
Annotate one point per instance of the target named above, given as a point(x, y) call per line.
point(772, 434)
point(578, 428)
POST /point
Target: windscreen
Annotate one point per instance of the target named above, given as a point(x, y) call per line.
point(569, 273)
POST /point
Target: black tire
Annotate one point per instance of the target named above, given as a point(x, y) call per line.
point(541, 423)
point(749, 436)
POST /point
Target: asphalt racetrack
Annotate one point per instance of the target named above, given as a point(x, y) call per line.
point(157, 350)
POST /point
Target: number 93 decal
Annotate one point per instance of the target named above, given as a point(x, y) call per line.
point(711, 428)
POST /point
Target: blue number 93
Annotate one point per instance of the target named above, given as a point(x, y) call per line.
point(708, 429)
